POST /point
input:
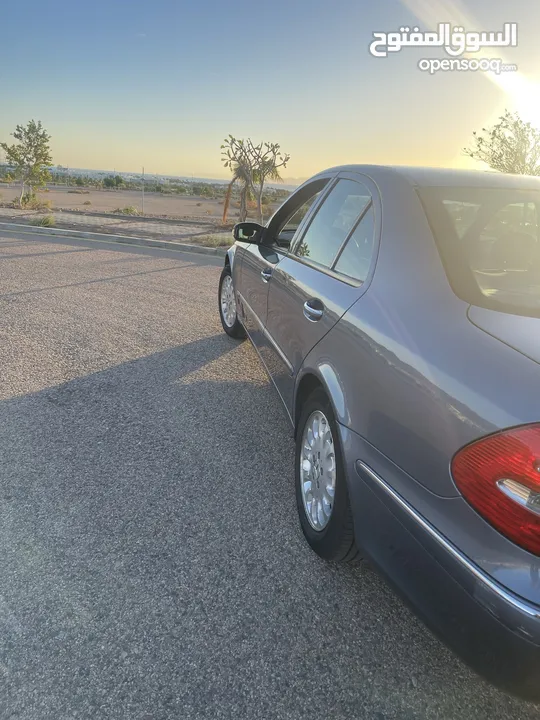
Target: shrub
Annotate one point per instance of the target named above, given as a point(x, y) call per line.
point(79, 192)
point(26, 198)
point(87, 202)
point(38, 204)
point(46, 221)
point(129, 210)
point(31, 201)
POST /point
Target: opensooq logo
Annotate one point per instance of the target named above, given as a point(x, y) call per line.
point(454, 41)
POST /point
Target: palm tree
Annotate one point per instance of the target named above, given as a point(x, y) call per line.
point(271, 173)
point(241, 174)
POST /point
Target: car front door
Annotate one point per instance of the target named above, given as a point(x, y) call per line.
point(258, 263)
point(321, 277)
point(260, 260)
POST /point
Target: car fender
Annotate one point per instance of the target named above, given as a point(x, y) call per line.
point(230, 257)
point(323, 369)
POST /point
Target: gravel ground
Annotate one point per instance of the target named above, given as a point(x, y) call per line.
point(152, 565)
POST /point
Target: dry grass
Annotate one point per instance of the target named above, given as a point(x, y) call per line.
point(215, 240)
point(129, 210)
point(46, 221)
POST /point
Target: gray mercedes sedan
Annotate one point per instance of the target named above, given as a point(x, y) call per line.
point(397, 312)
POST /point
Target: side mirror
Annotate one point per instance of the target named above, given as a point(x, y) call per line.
point(248, 232)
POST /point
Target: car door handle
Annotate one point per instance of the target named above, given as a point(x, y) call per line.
point(266, 274)
point(313, 310)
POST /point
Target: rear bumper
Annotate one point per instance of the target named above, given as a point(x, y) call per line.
point(494, 631)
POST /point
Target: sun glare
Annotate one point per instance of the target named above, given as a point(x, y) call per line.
point(524, 97)
point(521, 95)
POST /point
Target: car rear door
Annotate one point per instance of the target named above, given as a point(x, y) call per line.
point(323, 274)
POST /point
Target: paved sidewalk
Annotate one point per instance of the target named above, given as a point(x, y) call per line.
point(120, 226)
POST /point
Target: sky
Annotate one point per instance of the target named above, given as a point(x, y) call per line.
point(159, 84)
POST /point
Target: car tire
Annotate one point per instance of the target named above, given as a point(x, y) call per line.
point(227, 306)
point(335, 541)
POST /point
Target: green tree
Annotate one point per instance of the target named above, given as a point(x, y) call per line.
point(30, 157)
point(118, 180)
point(261, 162)
point(109, 182)
point(510, 146)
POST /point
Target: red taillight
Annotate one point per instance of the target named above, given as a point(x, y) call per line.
point(500, 477)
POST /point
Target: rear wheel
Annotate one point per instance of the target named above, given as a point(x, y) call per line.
point(227, 306)
point(321, 488)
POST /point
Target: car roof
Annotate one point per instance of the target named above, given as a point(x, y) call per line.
point(444, 177)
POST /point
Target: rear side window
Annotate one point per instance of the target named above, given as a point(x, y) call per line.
point(329, 229)
point(490, 244)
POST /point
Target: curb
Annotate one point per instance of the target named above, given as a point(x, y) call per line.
point(122, 239)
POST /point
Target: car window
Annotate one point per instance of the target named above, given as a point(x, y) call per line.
point(495, 263)
point(293, 222)
point(512, 218)
point(463, 214)
point(355, 259)
point(513, 224)
point(285, 222)
point(334, 220)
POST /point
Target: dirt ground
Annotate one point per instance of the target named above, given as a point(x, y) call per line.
point(175, 206)
point(109, 200)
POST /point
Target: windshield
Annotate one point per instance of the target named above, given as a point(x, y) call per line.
point(489, 243)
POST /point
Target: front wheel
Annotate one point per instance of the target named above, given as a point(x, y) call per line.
point(321, 488)
point(227, 306)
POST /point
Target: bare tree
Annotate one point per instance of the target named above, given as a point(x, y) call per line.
point(510, 146)
point(268, 160)
point(260, 162)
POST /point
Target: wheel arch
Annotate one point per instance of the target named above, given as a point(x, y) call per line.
point(325, 377)
point(229, 257)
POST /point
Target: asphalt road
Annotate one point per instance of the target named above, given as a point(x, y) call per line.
point(151, 563)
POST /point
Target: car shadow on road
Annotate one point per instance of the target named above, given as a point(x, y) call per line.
point(152, 562)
